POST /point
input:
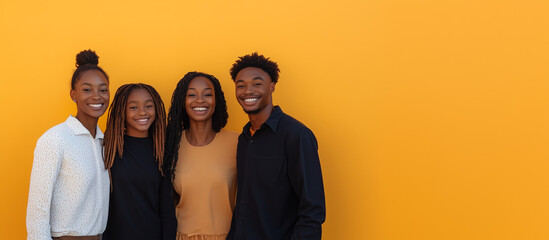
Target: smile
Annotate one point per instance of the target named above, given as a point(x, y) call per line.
point(97, 105)
point(142, 121)
point(250, 101)
point(200, 108)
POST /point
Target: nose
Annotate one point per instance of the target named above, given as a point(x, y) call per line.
point(141, 111)
point(96, 94)
point(200, 98)
point(248, 88)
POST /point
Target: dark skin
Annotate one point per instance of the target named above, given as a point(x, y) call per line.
point(140, 113)
point(254, 89)
point(200, 106)
point(91, 95)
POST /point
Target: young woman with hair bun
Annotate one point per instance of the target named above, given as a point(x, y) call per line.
point(69, 186)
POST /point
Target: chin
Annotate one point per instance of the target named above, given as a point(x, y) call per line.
point(252, 111)
point(95, 115)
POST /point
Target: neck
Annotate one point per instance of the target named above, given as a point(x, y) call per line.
point(257, 119)
point(138, 134)
point(200, 133)
point(89, 123)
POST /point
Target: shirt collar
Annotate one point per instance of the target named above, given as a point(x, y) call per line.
point(272, 122)
point(276, 114)
point(78, 129)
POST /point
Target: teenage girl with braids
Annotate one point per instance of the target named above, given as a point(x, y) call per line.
point(141, 203)
point(202, 158)
point(69, 186)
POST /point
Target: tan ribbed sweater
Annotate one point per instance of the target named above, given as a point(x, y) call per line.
point(205, 178)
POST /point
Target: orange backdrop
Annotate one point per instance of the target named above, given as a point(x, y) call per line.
point(432, 116)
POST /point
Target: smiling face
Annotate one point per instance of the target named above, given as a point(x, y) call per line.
point(200, 100)
point(140, 113)
point(91, 94)
point(253, 89)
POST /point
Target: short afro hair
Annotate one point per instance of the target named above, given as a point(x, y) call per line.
point(258, 61)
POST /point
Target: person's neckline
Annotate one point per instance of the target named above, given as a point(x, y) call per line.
point(189, 144)
point(132, 137)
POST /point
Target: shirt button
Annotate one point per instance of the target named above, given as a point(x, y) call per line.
point(251, 141)
point(241, 201)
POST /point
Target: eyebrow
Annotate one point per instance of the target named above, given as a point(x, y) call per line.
point(204, 88)
point(102, 84)
point(255, 78)
point(134, 101)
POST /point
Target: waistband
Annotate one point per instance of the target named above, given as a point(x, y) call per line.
point(96, 237)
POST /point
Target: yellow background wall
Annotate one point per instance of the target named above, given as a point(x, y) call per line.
point(432, 116)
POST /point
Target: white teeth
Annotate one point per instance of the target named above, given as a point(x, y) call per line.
point(95, 105)
point(250, 99)
point(143, 120)
point(199, 108)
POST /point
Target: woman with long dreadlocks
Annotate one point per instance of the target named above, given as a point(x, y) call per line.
point(69, 186)
point(141, 203)
point(201, 157)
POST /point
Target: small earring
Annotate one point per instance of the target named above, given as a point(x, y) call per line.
point(74, 100)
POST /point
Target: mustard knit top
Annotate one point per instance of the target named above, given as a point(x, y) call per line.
point(205, 178)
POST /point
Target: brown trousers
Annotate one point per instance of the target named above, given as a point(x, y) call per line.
point(96, 237)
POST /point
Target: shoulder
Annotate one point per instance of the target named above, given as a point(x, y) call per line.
point(55, 135)
point(295, 132)
point(53, 141)
point(291, 125)
point(228, 136)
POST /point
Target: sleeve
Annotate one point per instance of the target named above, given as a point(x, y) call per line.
point(306, 180)
point(45, 169)
point(167, 209)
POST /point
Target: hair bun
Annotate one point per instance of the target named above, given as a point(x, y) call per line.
point(86, 57)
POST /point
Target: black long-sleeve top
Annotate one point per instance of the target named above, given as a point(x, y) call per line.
point(280, 191)
point(141, 203)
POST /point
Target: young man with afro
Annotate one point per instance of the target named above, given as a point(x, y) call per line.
point(280, 191)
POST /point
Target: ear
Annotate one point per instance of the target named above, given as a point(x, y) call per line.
point(273, 87)
point(73, 93)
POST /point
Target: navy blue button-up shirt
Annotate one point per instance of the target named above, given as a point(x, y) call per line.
point(280, 191)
